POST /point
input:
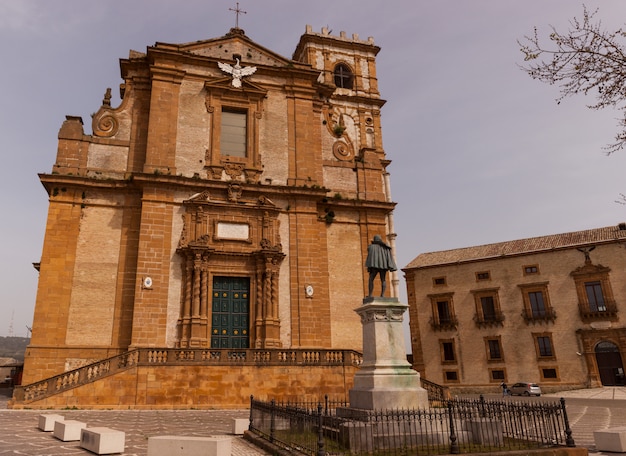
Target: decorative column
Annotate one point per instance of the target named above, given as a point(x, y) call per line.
point(267, 319)
point(385, 379)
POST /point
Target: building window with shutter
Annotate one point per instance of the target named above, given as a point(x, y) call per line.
point(537, 308)
point(233, 139)
point(493, 346)
point(488, 312)
point(443, 316)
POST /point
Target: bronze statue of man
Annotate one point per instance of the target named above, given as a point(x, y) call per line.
point(379, 261)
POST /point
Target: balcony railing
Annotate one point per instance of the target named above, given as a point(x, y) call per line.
point(587, 314)
point(546, 315)
point(444, 324)
point(489, 320)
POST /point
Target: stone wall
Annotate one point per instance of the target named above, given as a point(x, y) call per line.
point(204, 387)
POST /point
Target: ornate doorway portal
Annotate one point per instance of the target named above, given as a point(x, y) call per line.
point(610, 365)
point(230, 312)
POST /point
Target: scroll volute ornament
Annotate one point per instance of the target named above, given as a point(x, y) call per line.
point(104, 123)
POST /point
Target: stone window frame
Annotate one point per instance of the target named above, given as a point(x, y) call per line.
point(436, 321)
point(530, 269)
point(527, 313)
point(442, 350)
point(492, 379)
point(481, 276)
point(479, 317)
point(541, 357)
point(594, 273)
point(543, 378)
point(440, 281)
point(248, 100)
point(497, 339)
point(454, 372)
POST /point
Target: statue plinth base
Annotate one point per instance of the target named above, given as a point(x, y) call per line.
point(385, 379)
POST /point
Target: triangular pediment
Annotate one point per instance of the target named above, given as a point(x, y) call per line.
point(235, 43)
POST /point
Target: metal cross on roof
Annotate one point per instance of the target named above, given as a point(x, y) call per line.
point(237, 13)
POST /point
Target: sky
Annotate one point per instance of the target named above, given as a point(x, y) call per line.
point(480, 152)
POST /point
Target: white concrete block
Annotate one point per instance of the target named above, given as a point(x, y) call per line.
point(176, 445)
point(102, 440)
point(240, 425)
point(46, 422)
point(613, 440)
point(68, 430)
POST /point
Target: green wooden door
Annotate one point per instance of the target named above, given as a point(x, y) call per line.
point(230, 312)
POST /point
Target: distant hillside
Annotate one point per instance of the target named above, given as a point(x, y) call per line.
point(13, 347)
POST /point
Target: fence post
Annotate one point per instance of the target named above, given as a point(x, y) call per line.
point(320, 432)
point(250, 426)
point(569, 440)
point(272, 419)
point(483, 414)
point(454, 444)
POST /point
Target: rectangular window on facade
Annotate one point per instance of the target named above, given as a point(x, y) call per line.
point(537, 304)
point(451, 376)
point(439, 280)
point(595, 296)
point(488, 311)
point(494, 349)
point(443, 311)
point(233, 140)
point(531, 269)
point(549, 374)
point(443, 318)
point(483, 275)
point(488, 307)
point(497, 375)
point(448, 354)
point(543, 344)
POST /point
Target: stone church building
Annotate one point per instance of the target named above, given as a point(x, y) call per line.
point(549, 310)
point(207, 240)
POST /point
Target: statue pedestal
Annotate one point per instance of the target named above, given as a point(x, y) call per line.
point(385, 379)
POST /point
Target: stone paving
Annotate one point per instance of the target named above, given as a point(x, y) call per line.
point(19, 433)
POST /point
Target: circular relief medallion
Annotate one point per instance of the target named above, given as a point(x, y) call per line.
point(343, 151)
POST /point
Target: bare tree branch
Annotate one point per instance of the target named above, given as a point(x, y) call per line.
point(586, 60)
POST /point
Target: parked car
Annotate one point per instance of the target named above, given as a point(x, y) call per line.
point(525, 389)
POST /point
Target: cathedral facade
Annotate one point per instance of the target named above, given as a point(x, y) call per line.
point(225, 206)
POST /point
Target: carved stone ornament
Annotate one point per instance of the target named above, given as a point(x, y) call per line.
point(202, 241)
point(104, 125)
point(382, 315)
point(343, 151)
point(233, 170)
point(237, 71)
point(234, 192)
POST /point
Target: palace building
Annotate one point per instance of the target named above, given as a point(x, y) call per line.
point(549, 310)
point(207, 240)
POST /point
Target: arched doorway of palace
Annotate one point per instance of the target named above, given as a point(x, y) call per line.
point(609, 361)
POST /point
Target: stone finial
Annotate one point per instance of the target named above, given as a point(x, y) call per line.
point(106, 101)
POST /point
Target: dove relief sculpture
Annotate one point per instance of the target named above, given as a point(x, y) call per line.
point(237, 71)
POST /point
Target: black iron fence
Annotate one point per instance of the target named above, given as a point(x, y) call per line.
point(458, 426)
